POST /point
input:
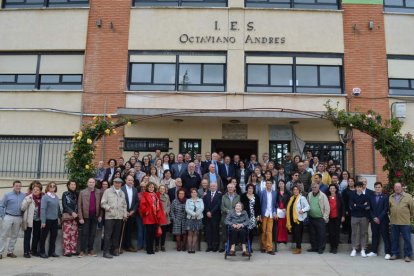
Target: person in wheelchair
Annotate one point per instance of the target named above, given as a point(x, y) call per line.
point(237, 222)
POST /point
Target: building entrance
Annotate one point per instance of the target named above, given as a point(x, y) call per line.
point(244, 148)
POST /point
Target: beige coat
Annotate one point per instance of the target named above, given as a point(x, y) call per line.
point(403, 212)
point(114, 204)
point(28, 207)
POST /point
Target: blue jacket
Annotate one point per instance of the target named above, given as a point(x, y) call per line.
point(263, 202)
point(380, 210)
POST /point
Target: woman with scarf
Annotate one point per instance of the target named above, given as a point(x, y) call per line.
point(296, 213)
point(152, 215)
point(178, 218)
point(31, 220)
point(69, 219)
point(166, 205)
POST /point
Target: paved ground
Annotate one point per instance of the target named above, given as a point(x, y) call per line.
point(202, 263)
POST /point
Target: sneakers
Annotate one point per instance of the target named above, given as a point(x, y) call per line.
point(372, 254)
point(353, 253)
point(407, 259)
point(387, 256)
point(363, 255)
point(92, 253)
point(11, 255)
point(393, 257)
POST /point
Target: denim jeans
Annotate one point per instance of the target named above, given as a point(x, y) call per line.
point(405, 231)
point(140, 233)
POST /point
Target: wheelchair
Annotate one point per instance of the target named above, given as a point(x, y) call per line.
point(227, 246)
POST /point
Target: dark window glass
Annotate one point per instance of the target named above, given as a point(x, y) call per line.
point(188, 3)
point(401, 87)
point(397, 83)
point(44, 3)
point(327, 151)
point(192, 146)
point(50, 79)
point(330, 76)
point(306, 75)
point(278, 150)
point(299, 4)
point(7, 78)
point(190, 74)
point(71, 78)
point(164, 73)
point(281, 75)
point(60, 82)
point(257, 74)
point(17, 82)
point(141, 73)
point(144, 144)
point(213, 74)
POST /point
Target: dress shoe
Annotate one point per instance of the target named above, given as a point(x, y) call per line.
point(163, 248)
point(43, 255)
point(115, 253)
point(407, 259)
point(312, 250)
point(35, 254)
point(245, 254)
point(157, 249)
point(11, 255)
point(26, 255)
point(121, 251)
point(232, 253)
point(132, 249)
point(92, 253)
point(393, 257)
point(263, 250)
point(334, 251)
point(271, 252)
point(1, 257)
point(67, 255)
point(320, 251)
point(107, 255)
point(209, 250)
point(215, 250)
point(54, 255)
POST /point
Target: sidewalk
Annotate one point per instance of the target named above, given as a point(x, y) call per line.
point(181, 263)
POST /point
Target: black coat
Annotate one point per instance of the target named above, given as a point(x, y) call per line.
point(340, 206)
point(224, 174)
point(190, 182)
point(134, 204)
point(380, 210)
point(213, 206)
point(245, 201)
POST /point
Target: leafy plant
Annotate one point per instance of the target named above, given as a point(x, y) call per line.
point(79, 160)
point(395, 147)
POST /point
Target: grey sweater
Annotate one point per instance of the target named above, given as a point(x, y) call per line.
point(49, 208)
point(233, 218)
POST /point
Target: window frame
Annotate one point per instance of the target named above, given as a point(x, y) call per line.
point(46, 4)
point(177, 63)
point(324, 147)
point(409, 88)
point(192, 150)
point(148, 147)
point(292, 4)
point(276, 143)
point(294, 66)
point(180, 3)
point(37, 73)
point(399, 9)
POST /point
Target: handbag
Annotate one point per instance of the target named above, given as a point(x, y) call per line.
point(158, 232)
point(67, 216)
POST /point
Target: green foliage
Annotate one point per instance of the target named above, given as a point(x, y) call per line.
point(395, 147)
point(79, 160)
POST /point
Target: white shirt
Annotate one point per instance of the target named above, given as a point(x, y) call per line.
point(269, 213)
point(165, 166)
point(129, 192)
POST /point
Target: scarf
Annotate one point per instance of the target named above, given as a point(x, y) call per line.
point(292, 201)
point(37, 200)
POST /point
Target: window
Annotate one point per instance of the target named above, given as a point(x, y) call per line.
point(327, 151)
point(34, 157)
point(180, 72)
point(44, 3)
point(401, 87)
point(298, 4)
point(276, 74)
point(146, 144)
point(406, 6)
point(278, 150)
point(184, 3)
point(192, 146)
point(41, 72)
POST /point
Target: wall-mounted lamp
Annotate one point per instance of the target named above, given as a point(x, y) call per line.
point(98, 23)
point(371, 24)
point(345, 135)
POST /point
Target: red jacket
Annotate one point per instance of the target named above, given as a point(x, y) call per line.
point(151, 209)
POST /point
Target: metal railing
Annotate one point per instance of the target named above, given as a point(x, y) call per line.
point(33, 157)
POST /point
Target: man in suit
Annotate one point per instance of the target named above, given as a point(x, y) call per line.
point(227, 171)
point(190, 179)
point(172, 192)
point(380, 221)
point(212, 213)
point(131, 196)
point(268, 215)
point(212, 176)
point(252, 164)
point(179, 167)
point(205, 163)
point(214, 160)
point(365, 190)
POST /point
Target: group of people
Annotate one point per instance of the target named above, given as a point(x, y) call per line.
point(228, 199)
